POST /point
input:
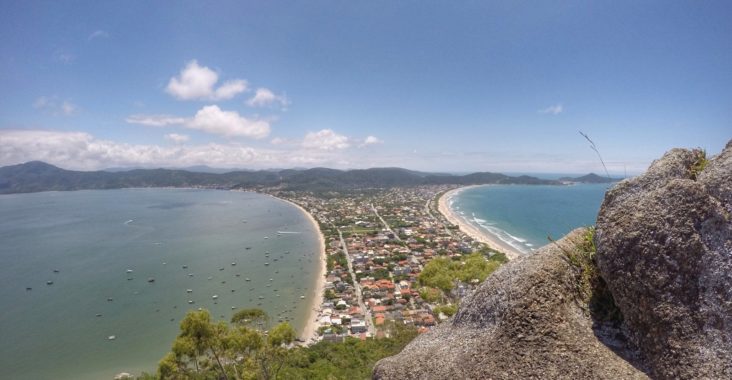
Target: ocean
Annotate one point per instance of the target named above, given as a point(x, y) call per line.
point(526, 216)
point(107, 246)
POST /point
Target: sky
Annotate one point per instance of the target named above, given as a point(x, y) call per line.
point(451, 86)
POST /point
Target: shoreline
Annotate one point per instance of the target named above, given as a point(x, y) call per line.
point(309, 334)
point(482, 236)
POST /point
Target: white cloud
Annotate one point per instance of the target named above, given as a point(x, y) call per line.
point(155, 120)
point(552, 110)
point(197, 82)
point(55, 106)
point(325, 139)
point(209, 119)
point(371, 140)
point(277, 141)
point(82, 151)
point(212, 119)
point(177, 138)
point(265, 97)
point(98, 34)
point(64, 57)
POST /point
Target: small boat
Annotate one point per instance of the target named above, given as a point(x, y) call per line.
point(190, 302)
point(266, 263)
point(110, 299)
point(55, 271)
point(237, 275)
point(271, 279)
point(185, 266)
point(190, 274)
point(28, 288)
point(233, 308)
point(150, 279)
point(222, 268)
point(302, 297)
point(248, 248)
point(99, 315)
point(210, 278)
point(49, 282)
point(129, 271)
point(233, 264)
point(112, 337)
point(215, 297)
point(189, 290)
point(164, 263)
point(233, 290)
point(266, 237)
point(261, 297)
point(247, 279)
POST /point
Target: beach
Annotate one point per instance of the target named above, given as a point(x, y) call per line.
point(471, 230)
point(310, 332)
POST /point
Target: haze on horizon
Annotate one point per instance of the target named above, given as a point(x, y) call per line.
point(430, 86)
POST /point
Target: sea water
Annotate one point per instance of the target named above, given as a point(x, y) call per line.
point(108, 246)
point(528, 216)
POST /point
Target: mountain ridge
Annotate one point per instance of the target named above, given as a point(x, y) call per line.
point(35, 176)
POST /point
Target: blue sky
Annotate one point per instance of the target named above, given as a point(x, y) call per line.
point(443, 86)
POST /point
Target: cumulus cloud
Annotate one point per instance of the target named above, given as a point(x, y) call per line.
point(212, 119)
point(209, 119)
point(82, 151)
point(264, 97)
point(371, 140)
point(325, 139)
point(196, 82)
point(552, 110)
point(177, 138)
point(55, 106)
point(98, 34)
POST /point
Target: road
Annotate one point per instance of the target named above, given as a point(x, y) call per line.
point(359, 297)
point(386, 225)
point(428, 209)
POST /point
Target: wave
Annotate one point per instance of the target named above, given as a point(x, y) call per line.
point(127, 223)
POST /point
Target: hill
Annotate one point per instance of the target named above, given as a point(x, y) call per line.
point(39, 176)
point(589, 178)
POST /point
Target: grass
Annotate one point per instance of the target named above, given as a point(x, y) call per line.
point(699, 164)
point(592, 291)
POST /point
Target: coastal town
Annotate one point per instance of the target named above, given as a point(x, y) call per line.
point(378, 244)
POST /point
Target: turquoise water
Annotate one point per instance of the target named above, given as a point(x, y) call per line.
point(525, 216)
point(93, 237)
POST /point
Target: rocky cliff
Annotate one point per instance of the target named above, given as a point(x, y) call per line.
point(650, 295)
point(664, 247)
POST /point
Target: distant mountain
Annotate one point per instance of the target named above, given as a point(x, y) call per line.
point(39, 176)
point(589, 178)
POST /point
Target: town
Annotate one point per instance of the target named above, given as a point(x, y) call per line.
point(392, 260)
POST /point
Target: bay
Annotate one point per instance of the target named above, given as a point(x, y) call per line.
point(92, 238)
point(526, 216)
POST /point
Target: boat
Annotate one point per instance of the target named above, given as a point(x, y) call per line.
point(233, 264)
point(129, 271)
point(99, 315)
point(49, 282)
point(302, 297)
point(29, 288)
point(185, 266)
point(266, 263)
point(112, 337)
point(247, 279)
point(215, 297)
point(190, 274)
point(190, 302)
point(150, 279)
point(261, 297)
point(233, 308)
point(55, 271)
point(248, 248)
point(189, 290)
point(222, 268)
point(110, 299)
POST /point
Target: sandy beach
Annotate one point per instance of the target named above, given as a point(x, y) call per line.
point(309, 334)
point(472, 231)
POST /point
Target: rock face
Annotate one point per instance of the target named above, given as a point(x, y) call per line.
point(524, 321)
point(664, 247)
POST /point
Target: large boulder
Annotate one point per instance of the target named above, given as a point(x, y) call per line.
point(664, 247)
point(527, 320)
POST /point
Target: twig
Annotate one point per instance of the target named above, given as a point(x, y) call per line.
point(594, 147)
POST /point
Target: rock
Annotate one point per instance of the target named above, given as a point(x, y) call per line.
point(524, 321)
point(664, 247)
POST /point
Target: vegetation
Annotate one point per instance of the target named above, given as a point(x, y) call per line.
point(442, 272)
point(209, 350)
point(699, 164)
point(593, 294)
